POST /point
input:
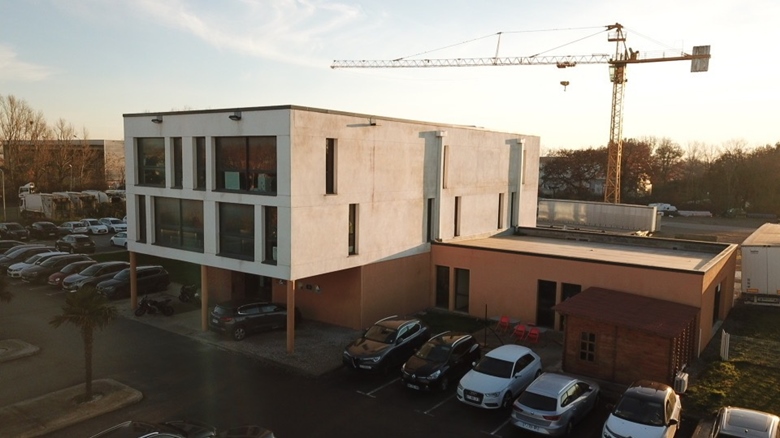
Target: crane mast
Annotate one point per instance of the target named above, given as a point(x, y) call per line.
point(617, 62)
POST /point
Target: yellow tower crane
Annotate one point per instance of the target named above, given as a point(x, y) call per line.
point(617, 64)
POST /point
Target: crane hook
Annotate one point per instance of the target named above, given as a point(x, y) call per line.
point(565, 84)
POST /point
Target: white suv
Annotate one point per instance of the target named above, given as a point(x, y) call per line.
point(113, 224)
point(94, 226)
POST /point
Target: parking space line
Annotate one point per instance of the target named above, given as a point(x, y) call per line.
point(428, 412)
point(371, 393)
point(493, 433)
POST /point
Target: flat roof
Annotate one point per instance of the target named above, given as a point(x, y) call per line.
point(668, 254)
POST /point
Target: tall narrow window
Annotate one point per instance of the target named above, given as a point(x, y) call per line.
point(444, 168)
point(457, 216)
point(353, 226)
point(177, 163)
point(443, 286)
point(237, 231)
point(200, 163)
point(270, 235)
point(500, 211)
point(151, 161)
point(330, 166)
point(429, 219)
point(462, 287)
point(512, 220)
point(141, 212)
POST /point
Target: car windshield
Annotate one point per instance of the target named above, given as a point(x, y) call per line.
point(90, 271)
point(73, 267)
point(640, 410)
point(494, 367)
point(92, 222)
point(434, 352)
point(51, 261)
point(14, 227)
point(381, 334)
point(124, 274)
point(538, 402)
point(47, 225)
point(81, 239)
point(33, 259)
point(115, 221)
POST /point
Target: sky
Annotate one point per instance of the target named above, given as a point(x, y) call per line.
point(91, 61)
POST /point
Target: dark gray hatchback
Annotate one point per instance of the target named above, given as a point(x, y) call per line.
point(238, 318)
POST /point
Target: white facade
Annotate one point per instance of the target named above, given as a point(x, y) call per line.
point(391, 169)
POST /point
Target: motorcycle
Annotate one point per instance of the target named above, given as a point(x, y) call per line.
point(150, 306)
point(189, 293)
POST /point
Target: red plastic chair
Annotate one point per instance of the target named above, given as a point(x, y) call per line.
point(520, 332)
point(503, 324)
point(533, 335)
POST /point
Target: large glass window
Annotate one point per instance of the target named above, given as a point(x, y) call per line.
point(200, 163)
point(151, 161)
point(178, 223)
point(270, 235)
point(237, 231)
point(177, 163)
point(246, 164)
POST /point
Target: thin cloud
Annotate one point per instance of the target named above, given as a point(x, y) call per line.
point(13, 69)
point(291, 31)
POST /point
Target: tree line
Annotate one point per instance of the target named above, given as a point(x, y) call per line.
point(700, 177)
point(53, 156)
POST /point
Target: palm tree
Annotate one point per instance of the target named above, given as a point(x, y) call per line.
point(87, 310)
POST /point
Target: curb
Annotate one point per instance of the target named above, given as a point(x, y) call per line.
point(11, 349)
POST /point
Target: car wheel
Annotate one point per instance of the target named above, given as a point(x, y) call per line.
point(239, 333)
point(445, 383)
point(507, 402)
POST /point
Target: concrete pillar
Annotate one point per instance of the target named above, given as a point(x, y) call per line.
point(290, 316)
point(204, 298)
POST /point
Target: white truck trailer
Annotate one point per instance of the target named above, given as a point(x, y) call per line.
point(761, 266)
point(42, 206)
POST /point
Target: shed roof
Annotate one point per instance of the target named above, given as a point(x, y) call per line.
point(663, 318)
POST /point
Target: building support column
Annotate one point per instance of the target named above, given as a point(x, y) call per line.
point(290, 284)
point(133, 281)
point(204, 298)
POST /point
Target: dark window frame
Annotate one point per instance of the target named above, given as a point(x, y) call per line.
point(150, 155)
point(352, 240)
point(330, 166)
point(246, 165)
point(178, 223)
point(587, 346)
point(200, 163)
point(270, 239)
point(176, 145)
point(236, 231)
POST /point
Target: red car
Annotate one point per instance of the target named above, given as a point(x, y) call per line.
point(55, 279)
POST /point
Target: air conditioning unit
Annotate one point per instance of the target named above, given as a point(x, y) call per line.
point(680, 382)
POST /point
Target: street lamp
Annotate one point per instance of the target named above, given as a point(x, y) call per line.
point(71, 176)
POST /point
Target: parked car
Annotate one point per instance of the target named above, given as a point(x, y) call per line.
point(5, 245)
point(181, 429)
point(553, 403)
point(39, 273)
point(150, 279)
point(499, 377)
point(741, 422)
point(645, 410)
point(238, 318)
point(445, 358)
point(119, 239)
point(20, 254)
point(76, 243)
point(94, 226)
point(43, 230)
point(72, 227)
point(113, 224)
point(92, 275)
point(15, 270)
point(13, 231)
point(56, 278)
point(388, 343)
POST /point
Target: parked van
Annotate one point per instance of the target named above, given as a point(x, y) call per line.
point(664, 209)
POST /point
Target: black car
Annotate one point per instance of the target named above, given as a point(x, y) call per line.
point(386, 344)
point(14, 231)
point(181, 429)
point(44, 230)
point(5, 245)
point(150, 279)
point(40, 273)
point(445, 358)
point(92, 275)
point(75, 243)
point(20, 254)
point(239, 318)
